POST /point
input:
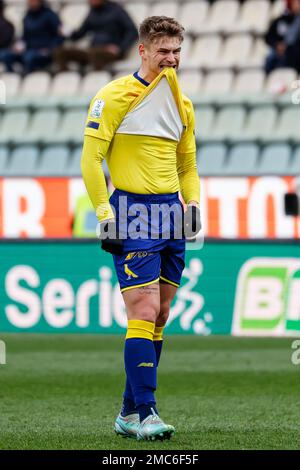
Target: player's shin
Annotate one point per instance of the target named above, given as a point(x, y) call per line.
point(140, 365)
point(128, 406)
point(158, 342)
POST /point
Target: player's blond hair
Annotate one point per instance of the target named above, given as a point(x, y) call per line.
point(155, 27)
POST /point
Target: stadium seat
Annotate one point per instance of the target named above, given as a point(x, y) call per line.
point(205, 117)
point(70, 1)
point(14, 124)
point(137, 11)
point(73, 15)
point(294, 168)
point(288, 124)
point(220, 10)
point(278, 8)
point(4, 153)
point(218, 82)
point(229, 123)
point(74, 165)
point(242, 160)
point(280, 80)
point(260, 123)
point(193, 15)
point(93, 81)
point(122, 73)
point(249, 81)
point(65, 84)
point(71, 128)
point(55, 4)
point(254, 17)
point(129, 64)
point(15, 14)
point(53, 161)
point(258, 55)
point(186, 49)
point(169, 8)
point(36, 84)
point(275, 160)
point(236, 51)
point(205, 51)
point(190, 81)
point(23, 161)
point(43, 125)
point(12, 83)
point(211, 159)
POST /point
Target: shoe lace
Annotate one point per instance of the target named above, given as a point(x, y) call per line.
point(154, 418)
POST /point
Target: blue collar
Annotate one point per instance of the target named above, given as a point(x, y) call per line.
point(136, 75)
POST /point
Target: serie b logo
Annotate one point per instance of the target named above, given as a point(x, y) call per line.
point(268, 298)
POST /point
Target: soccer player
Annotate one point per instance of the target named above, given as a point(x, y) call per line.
point(144, 127)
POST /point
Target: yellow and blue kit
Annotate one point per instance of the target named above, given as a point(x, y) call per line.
point(146, 134)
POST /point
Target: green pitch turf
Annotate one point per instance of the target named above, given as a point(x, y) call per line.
point(63, 392)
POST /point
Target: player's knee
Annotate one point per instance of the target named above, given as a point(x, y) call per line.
point(142, 310)
point(164, 313)
point(146, 315)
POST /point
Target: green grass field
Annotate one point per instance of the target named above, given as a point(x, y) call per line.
point(63, 392)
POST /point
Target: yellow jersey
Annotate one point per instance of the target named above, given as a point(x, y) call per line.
point(146, 132)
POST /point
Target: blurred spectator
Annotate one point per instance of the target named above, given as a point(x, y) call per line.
point(275, 37)
point(6, 31)
point(41, 33)
point(292, 39)
point(112, 33)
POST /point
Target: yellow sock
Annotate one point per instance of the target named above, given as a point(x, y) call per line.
point(158, 333)
point(140, 329)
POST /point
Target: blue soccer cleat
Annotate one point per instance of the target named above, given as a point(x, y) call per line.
point(154, 429)
point(126, 426)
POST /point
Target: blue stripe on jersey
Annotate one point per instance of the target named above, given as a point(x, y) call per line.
point(140, 79)
point(93, 125)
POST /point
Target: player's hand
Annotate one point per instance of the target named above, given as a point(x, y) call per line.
point(192, 222)
point(109, 237)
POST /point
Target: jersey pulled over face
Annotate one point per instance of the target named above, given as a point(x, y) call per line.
point(150, 128)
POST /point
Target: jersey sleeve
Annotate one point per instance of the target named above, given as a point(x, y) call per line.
point(93, 153)
point(186, 161)
point(187, 143)
point(106, 112)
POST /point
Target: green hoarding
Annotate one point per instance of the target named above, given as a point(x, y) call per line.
point(227, 287)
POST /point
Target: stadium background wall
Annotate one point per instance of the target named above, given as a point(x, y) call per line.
point(239, 288)
point(232, 207)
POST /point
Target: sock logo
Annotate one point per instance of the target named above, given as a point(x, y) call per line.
point(146, 364)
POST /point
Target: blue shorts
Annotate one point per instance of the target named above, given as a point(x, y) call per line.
point(153, 251)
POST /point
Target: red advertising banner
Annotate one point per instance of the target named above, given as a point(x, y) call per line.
point(237, 207)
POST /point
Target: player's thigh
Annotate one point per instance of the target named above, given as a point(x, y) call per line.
point(143, 303)
point(173, 262)
point(138, 275)
point(167, 294)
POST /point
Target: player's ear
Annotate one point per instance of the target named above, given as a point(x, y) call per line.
point(142, 50)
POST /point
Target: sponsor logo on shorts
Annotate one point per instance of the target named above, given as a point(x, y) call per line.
point(146, 364)
point(130, 273)
point(137, 254)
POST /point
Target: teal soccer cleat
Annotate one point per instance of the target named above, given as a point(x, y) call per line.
point(126, 426)
point(154, 429)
